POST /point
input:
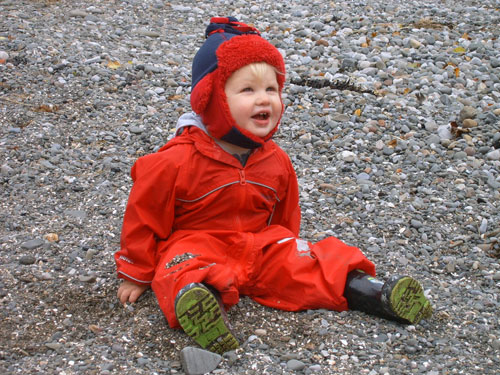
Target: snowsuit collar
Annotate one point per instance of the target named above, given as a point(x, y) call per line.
point(205, 144)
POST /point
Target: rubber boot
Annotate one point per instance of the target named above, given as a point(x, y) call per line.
point(201, 315)
point(401, 298)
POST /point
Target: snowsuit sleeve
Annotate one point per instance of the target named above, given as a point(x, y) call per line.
point(148, 217)
point(287, 211)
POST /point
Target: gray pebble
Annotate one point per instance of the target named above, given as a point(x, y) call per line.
point(198, 361)
point(53, 345)
point(27, 260)
point(467, 112)
point(32, 244)
point(78, 13)
point(295, 365)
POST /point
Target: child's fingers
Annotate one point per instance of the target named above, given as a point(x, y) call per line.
point(136, 293)
point(123, 297)
point(133, 296)
point(129, 292)
point(123, 293)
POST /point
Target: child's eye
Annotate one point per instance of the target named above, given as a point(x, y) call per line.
point(272, 88)
point(247, 89)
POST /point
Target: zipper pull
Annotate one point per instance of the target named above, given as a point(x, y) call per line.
point(243, 181)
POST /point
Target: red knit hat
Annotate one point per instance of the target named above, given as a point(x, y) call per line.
point(230, 45)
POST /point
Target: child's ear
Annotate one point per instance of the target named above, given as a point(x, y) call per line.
point(202, 93)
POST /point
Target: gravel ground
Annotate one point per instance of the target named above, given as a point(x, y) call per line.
point(403, 161)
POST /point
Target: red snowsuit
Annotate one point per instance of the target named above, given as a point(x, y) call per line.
point(196, 215)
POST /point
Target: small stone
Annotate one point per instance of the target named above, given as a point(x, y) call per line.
point(4, 56)
point(295, 365)
point(495, 63)
point(142, 361)
point(252, 338)
point(78, 13)
point(87, 278)
point(32, 244)
point(5, 170)
point(51, 237)
point(315, 368)
point(110, 88)
point(117, 348)
point(493, 155)
point(470, 151)
point(53, 345)
point(46, 276)
point(107, 367)
point(231, 357)
point(469, 123)
point(415, 43)
point(135, 129)
point(90, 254)
point(450, 267)
point(260, 332)
point(444, 132)
point(197, 361)
point(433, 139)
point(388, 151)
point(67, 322)
point(484, 226)
point(431, 126)
point(78, 214)
point(460, 155)
point(467, 112)
point(27, 260)
point(150, 33)
point(348, 156)
point(496, 344)
point(416, 224)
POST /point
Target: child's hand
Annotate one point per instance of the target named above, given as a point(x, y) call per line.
point(129, 291)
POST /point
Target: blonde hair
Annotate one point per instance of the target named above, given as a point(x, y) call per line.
point(260, 68)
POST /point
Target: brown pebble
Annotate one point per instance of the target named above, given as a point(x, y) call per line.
point(327, 187)
point(470, 151)
point(322, 42)
point(485, 246)
point(469, 123)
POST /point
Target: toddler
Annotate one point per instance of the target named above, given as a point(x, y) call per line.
point(214, 214)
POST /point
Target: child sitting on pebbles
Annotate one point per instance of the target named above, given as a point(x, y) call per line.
point(215, 214)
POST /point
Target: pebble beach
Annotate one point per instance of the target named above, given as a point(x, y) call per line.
point(392, 122)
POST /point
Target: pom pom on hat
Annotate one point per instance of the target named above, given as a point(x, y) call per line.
point(230, 45)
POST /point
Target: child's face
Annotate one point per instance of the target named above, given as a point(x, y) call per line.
point(254, 99)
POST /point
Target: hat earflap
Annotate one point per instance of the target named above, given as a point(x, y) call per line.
point(202, 92)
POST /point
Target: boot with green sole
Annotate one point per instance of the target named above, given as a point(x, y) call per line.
point(400, 298)
point(202, 316)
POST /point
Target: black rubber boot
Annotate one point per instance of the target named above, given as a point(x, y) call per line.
point(401, 298)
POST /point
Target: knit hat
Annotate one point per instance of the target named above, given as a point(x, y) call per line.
point(229, 46)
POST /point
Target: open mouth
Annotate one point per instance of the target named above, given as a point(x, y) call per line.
point(261, 116)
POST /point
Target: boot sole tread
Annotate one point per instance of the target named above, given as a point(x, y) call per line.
point(409, 302)
point(201, 317)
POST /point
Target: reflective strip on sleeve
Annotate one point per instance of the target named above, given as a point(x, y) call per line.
point(133, 278)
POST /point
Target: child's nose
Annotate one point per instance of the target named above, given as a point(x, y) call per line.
point(263, 97)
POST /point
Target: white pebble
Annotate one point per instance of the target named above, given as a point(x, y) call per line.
point(348, 156)
point(493, 155)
